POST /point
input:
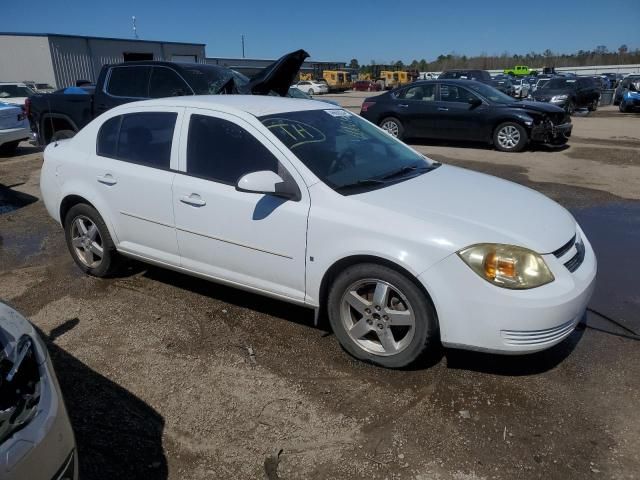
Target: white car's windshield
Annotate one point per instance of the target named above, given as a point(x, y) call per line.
point(344, 151)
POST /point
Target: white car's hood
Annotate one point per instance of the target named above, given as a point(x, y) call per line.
point(458, 208)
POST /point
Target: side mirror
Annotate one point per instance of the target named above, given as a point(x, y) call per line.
point(268, 183)
point(475, 102)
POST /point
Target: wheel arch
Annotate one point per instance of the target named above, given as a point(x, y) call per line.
point(348, 261)
point(52, 122)
point(70, 199)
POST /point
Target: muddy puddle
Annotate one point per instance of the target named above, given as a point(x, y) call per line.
point(614, 232)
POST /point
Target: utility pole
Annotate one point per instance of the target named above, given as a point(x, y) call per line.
point(242, 36)
point(135, 30)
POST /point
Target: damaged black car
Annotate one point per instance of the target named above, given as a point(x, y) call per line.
point(466, 110)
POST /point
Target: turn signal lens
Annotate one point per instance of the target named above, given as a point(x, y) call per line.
point(507, 266)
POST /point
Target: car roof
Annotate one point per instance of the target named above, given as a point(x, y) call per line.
point(19, 84)
point(256, 105)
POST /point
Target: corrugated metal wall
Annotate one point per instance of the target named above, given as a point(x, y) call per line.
point(25, 58)
point(77, 58)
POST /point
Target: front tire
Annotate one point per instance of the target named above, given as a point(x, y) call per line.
point(393, 127)
point(570, 107)
point(510, 137)
point(593, 106)
point(381, 316)
point(89, 241)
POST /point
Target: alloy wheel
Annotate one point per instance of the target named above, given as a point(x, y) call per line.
point(391, 128)
point(86, 241)
point(508, 137)
point(377, 317)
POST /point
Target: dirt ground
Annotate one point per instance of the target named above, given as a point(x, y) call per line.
point(159, 381)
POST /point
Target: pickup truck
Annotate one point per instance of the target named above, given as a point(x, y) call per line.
point(55, 116)
point(520, 71)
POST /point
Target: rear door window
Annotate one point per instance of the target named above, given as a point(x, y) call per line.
point(144, 138)
point(223, 151)
point(425, 93)
point(165, 82)
point(130, 81)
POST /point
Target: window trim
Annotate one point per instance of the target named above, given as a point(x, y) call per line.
point(187, 124)
point(107, 80)
point(281, 156)
point(174, 140)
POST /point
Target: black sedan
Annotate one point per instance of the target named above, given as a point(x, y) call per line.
point(466, 110)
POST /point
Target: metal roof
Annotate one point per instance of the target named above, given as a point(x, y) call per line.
point(26, 34)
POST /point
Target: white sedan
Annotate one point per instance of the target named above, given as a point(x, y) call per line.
point(311, 87)
point(14, 127)
point(311, 204)
point(15, 93)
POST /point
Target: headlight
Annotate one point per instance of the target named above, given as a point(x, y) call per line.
point(507, 266)
point(559, 98)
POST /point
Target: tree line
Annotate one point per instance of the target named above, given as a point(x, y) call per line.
point(601, 55)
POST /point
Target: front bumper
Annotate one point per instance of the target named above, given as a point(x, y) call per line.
point(549, 133)
point(14, 134)
point(45, 448)
point(476, 315)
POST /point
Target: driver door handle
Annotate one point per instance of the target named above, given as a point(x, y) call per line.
point(107, 179)
point(443, 109)
point(194, 199)
point(403, 105)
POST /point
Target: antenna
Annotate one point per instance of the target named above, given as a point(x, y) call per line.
point(242, 36)
point(135, 30)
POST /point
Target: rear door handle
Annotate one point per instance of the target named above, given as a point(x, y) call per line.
point(443, 109)
point(107, 179)
point(194, 199)
point(403, 105)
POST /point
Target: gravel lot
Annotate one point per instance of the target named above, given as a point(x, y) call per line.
point(159, 383)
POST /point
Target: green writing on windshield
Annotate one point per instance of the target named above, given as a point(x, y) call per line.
point(293, 133)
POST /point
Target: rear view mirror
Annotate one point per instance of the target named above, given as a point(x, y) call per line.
point(268, 183)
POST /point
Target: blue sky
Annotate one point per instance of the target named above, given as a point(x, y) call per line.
point(340, 30)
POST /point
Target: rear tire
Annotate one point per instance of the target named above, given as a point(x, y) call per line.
point(381, 316)
point(62, 135)
point(593, 106)
point(89, 241)
point(510, 137)
point(393, 127)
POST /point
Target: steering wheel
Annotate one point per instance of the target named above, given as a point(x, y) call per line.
point(345, 160)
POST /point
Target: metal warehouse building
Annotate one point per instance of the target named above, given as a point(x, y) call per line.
point(60, 60)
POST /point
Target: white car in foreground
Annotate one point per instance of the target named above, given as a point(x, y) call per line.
point(311, 204)
point(312, 88)
point(14, 127)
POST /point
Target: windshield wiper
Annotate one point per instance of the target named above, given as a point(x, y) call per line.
point(361, 183)
point(407, 169)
